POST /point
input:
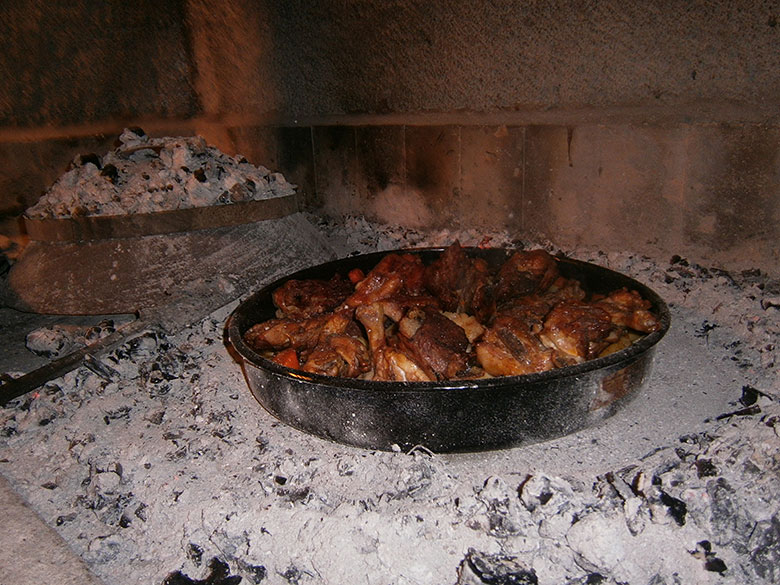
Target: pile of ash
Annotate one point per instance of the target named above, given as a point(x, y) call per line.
point(147, 175)
point(161, 460)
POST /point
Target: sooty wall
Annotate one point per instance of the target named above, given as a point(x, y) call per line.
point(652, 128)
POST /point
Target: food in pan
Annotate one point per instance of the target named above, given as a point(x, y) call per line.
point(452, 319)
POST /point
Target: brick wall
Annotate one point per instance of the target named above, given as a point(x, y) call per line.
point(652, 127)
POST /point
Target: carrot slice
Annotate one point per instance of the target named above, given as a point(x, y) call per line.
point(287, 358)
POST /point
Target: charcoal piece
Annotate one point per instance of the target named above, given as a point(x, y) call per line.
point(52, 342)
point(65, 518)
point(137, 130)
point(747, 411)
point(219, 574)
point(715, 565)
point(750, 395)
point(711, 561)
point(705, 329)
point(254, 573)
point(140, 512)
point(119, 413)
point(96, 366)
point(594, 579)
point(731, 522)
point(294, 495)
point(89, 158)
point(494, 569)
point(677, 508)
point(501, 521)
point(292, 575)
point(195, 554)
point(111, 173)
point(765, 553)
point(144, 346)
point(705, 468)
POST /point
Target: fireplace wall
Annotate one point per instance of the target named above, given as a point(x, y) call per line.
point(649, 128)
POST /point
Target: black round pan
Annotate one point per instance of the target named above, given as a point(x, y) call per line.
point(451, 416)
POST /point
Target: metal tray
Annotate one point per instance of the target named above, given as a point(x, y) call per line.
point(454, 416)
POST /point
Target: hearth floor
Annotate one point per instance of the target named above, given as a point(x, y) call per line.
point(165, 469)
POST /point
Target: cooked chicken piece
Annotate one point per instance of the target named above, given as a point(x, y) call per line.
point(508, 348)
point(531, 310)
point(436, 341)
point(461, 284)
point(372, 317)
point(471, 327)
point(564, 289)
point(390, 363)
point(627, 308)
point(280, 334)
point(300, 299)
point(525, 273)
point(395, 274)
point(394, 365)
point(339, 355)
point(396, 306)
point(579, 330)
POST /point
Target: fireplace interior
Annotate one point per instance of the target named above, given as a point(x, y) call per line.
point(644, 139)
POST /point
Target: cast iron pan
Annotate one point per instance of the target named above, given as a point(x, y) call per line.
point(454, 416)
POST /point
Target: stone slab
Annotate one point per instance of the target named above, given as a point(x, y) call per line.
point(102, 227)
point(190, 273)
point(31, 552)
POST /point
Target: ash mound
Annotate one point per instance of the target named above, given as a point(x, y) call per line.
point(147, 175)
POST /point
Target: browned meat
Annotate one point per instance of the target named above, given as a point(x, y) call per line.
point(395, 274)
point(396, 306)
point(627, 308)
point(372, 317)
point(455, 318)
point(461, 284)
point(300, 299)
point(390, 362)
point(510, 349)
point(394, 365)
point(525, 273)
point(436, 341)
point(579, 330)
point(339, 355)
point(531, 310)
point(303, 334)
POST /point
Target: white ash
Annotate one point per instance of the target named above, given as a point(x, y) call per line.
point(58, 340)
point(147, 175)
point(171, 463)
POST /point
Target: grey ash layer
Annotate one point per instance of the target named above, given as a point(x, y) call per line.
point(146, 175)
point(161, 461)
